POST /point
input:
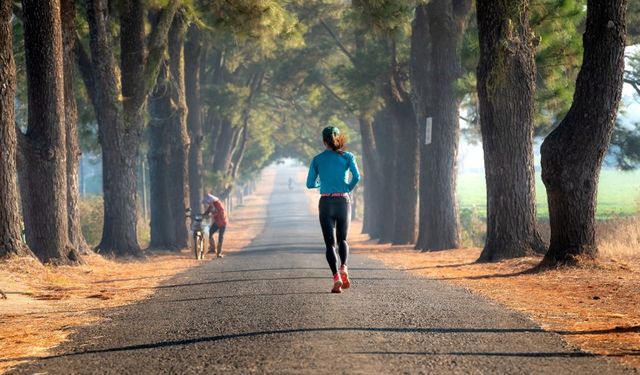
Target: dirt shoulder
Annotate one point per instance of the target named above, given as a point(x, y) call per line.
point(595, 308)
point(46, 304)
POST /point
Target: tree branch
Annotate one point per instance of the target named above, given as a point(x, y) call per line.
point(335, 95)
point(338, 42)
point(83, 60)
point(17, 11)
point(634, 83)
point(157, 48)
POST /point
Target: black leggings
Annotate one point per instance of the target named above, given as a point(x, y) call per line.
point(335, 213)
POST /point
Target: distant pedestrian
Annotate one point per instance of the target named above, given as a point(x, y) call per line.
point(213, 205)
point(329, 172)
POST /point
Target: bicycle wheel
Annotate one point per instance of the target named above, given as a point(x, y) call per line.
point(197, 244)
point(201, 246)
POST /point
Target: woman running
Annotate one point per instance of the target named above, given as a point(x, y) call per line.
point(328, 171)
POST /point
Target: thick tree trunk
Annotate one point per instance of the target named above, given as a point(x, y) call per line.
point(44, 181)
point(179, 136)
point(160, 113)
point(506, 86)
point(10, 228)
point(405, 194)
point(370, 161)
point(193, 58)
point(118, 140)
point(572, 154)
point(439, 222)
point(71, 120)
point(120, 126)
point(384, 131)
point(421, 66)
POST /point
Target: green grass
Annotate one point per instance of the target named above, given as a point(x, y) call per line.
point(618, 194)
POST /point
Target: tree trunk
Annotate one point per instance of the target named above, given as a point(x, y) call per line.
point(224, 146)
point(118, 141)
point(384, 132)
point(44, 181)
point(506, 86)
point(370, 161)
point(421, 66)
point(572, 154)
point(10, 228)
point(120, 126)
point(178, 136)
point(439, 221)
point(193, 59)
point(76, 237)
point(160, 113)
point(405, 193)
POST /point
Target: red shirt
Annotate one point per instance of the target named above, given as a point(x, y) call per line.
point(219, 215)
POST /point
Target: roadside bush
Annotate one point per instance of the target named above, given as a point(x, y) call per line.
point(91, 218)
point(92, 215)
point(474, 227)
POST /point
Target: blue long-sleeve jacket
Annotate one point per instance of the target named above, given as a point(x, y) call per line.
point(329, 172)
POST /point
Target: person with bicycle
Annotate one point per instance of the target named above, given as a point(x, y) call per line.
point(329, 172)
point(213, 205)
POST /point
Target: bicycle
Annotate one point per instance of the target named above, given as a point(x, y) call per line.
point(197, 229)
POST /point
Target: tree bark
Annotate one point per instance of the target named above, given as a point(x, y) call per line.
point(68, 14)
point(119, 143)
point(384, 132)
point(120, 126)
point(10, 228)
point(160, 113)
point(406, 174)
point(178, 136)
point(44, 181)
point(572, 154)
point(193, 59)
point(372, 168)
point(506, 86)
point(439, 215)
point(421, 66)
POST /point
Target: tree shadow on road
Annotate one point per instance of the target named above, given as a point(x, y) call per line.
point(414, 330)
point(487, 354)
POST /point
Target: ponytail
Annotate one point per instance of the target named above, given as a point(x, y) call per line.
point(335, 141)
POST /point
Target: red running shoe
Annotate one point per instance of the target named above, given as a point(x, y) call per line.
point(337, 284)
point(344, 275)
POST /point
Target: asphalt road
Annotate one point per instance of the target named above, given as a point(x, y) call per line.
point(267, 309)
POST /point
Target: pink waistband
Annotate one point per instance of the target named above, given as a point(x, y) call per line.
point(335, 195)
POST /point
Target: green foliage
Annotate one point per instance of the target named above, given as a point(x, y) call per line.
point(633, 22)
point(387, 17)
point(474, 227)
point(557, 27)
point(625, 147)
point(91, 214)
point(263, 23)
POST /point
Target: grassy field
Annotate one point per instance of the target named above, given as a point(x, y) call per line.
point(618, 194)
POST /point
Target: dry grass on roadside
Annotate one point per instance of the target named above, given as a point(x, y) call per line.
point(46, 304)
point(596, 308)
